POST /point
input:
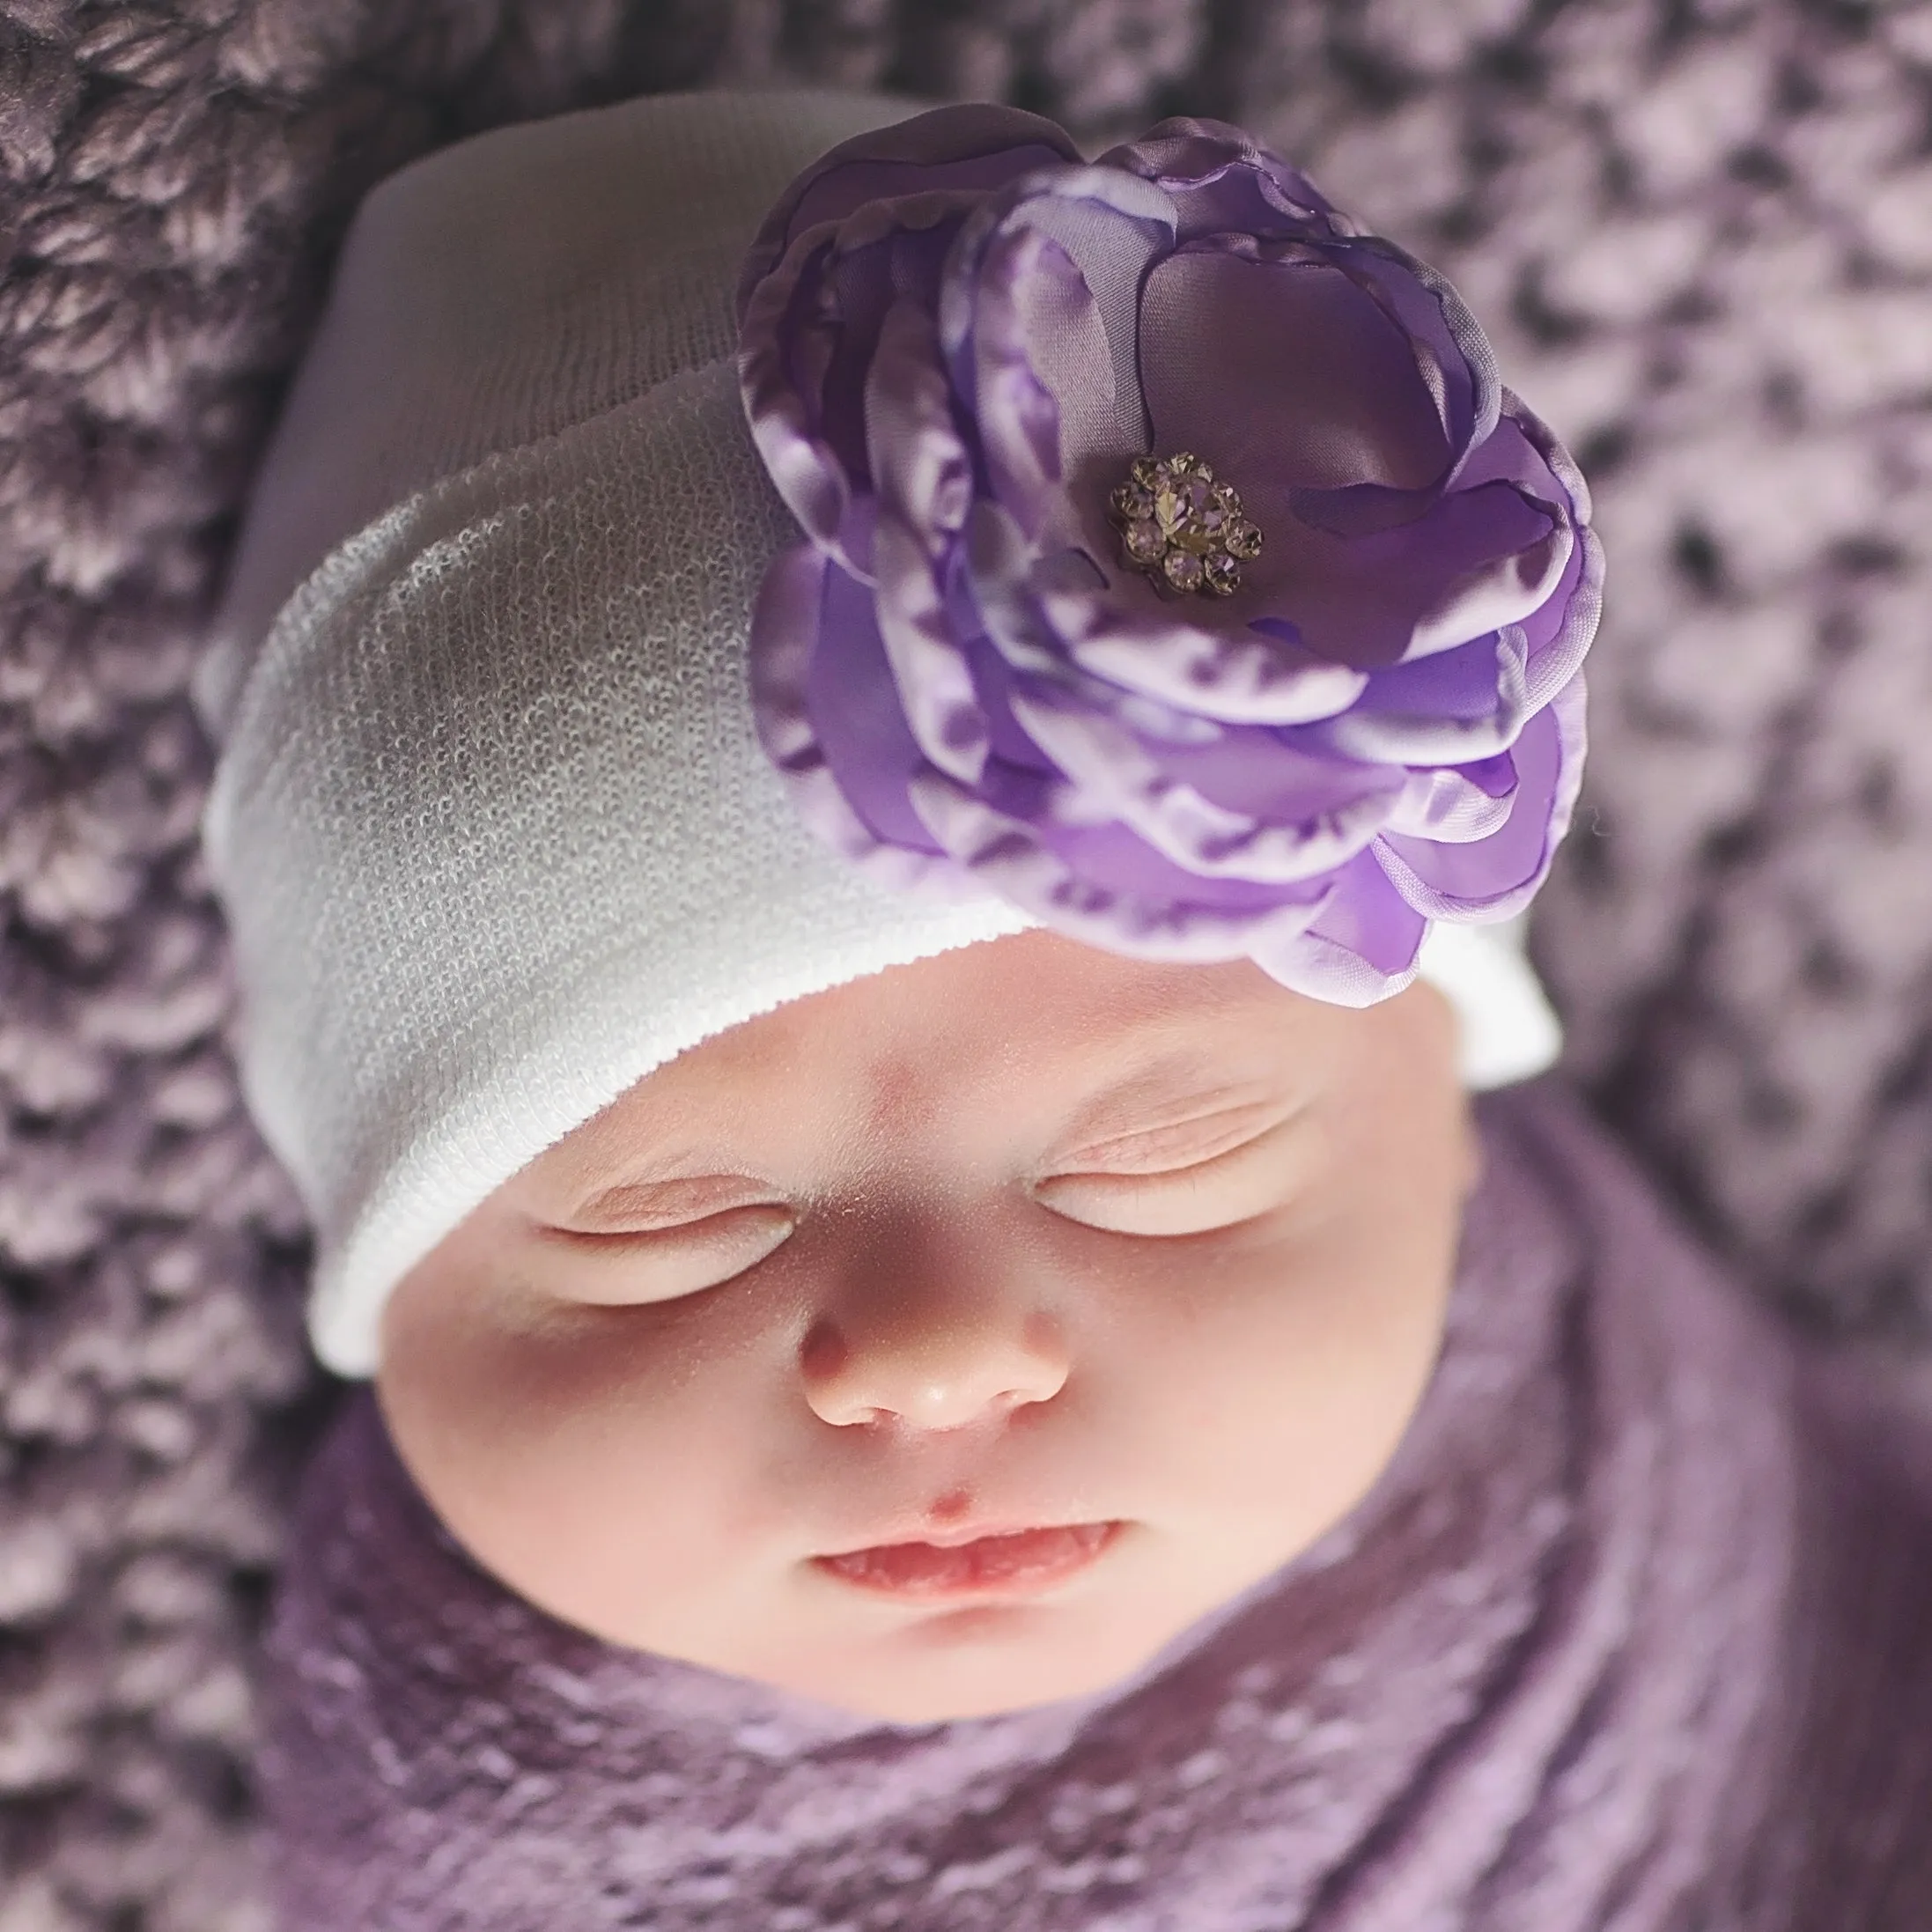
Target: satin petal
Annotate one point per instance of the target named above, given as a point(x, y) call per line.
point(1306, 829)
point(1013, 856)
point(1452, 708)
point(1363, 947)
point(1456, 803)
point(971, 146)
point(1497, 876)
point(785, 632)
point(926, 482)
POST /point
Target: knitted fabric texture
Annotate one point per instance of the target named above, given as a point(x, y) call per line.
point(1609, 1646)
point(491, 823)
point(1700, 237)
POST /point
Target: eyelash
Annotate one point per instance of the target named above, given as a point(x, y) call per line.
point(1237, 1128)
point(1169, 1191)
point(1168, 1188)
point(668, 1245)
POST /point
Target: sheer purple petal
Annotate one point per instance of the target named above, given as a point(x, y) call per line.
point(970, 146)
point(786, 626)
point(1062, 617)
point(1283, 369)
point(1452, 708)
point(810, 336)
point(1497, 876)
point(924, 481)
point(1456, 803)
point(1362, 949)
point(1296, 819)
point(1101, 885)
point(1222, 180)
point(1029, 283)
point(1111, 226)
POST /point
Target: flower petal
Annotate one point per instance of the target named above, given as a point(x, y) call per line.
point(1221, 180)
point(1452, 708)
point(1474, 561)
point(1452, 352)
point(1085, 886)
point(1110, 225)
point(1056, 618)
point(970, 146)
point(1494, 878)
point(924, 473)
point(802, 591)
point(1298, 816)
point(1363, 947)
point(1558, 634)
point(1456, 803)
point(1027, 279)
point(1283, 370)
point(810, 334)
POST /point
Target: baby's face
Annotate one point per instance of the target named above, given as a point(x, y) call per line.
point(1026, 1236)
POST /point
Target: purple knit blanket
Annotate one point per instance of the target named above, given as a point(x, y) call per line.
point(1632, 1635)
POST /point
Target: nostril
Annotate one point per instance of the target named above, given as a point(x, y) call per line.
point(824, 1353)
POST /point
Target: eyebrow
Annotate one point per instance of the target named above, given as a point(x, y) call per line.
point(1158, 1074)
point(1176, 1075)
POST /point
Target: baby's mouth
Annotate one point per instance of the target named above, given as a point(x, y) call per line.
point(1019, 1563)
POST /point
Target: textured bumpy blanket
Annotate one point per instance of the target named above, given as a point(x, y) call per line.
point(1699, 232)
point(1630, 1638)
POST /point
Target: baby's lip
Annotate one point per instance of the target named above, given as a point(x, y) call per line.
point(903, 1533)
point(1009, 1563)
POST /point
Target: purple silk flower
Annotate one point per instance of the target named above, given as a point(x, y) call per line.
point(957, 336)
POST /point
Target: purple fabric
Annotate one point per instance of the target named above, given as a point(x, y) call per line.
point(957, 336)
point(1630, 1636)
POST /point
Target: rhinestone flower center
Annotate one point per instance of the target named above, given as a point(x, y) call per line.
point(1185, 529)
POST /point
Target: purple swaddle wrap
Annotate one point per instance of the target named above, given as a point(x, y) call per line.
point(1607, 1648)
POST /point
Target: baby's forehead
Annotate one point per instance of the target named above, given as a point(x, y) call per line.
point(1024, 1019)
point(1034, 992)
point(971, 1055)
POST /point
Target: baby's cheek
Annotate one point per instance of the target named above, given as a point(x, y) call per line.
point(569, 1450)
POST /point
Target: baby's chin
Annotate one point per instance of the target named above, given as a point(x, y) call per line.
point(970, 1674)
point(918, 1658)
point(972, 1661)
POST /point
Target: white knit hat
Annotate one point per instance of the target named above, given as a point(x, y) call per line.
point(491, 822)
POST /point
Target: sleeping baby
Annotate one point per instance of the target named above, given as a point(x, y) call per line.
point(877, 787)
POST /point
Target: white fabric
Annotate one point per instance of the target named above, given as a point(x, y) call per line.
point(491, 822)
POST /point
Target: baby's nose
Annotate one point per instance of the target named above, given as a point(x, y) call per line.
point(941, 1373)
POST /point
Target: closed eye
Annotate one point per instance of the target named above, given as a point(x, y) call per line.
point(1245, 1171)
point(625, 1268)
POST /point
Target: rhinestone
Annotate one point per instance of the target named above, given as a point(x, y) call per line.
point(1181, 526)
point(1183, 569)
point(1185, 510)
point(1171, 504)
point(1205, 526)
point(1222, 574)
